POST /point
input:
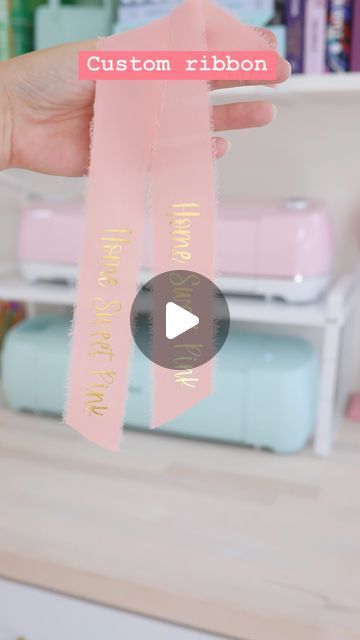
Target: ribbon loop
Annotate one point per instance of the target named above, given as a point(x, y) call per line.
point(140, 125)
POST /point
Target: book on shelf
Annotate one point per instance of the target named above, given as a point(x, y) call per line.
point(306, 22)
point(295, 23)
point(339, 35)
point(315, 36)
point(10, 314)
point(16, 26)
point(5, 30)
point(355, 37)
point(22, 16)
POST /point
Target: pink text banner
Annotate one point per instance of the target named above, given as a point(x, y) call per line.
point(178, 65)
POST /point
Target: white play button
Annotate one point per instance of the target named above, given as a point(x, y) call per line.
point(180, 331)
point(178, 320)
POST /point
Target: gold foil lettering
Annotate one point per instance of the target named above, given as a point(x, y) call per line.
point(113, 241)
point(181, 215)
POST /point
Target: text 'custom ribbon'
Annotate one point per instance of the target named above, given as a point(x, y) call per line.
point(178, 65)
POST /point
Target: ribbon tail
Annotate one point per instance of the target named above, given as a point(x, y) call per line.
point(183, 190)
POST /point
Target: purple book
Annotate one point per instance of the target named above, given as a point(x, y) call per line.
point(338, 35)
point(355, 38)
point(315, 36)
point(295, 23)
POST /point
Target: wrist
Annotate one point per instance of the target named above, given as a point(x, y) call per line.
point(5, 125)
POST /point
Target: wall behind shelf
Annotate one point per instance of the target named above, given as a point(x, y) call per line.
point(311, 150)
point(10, 207)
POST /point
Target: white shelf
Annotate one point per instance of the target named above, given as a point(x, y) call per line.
point(276, 312)
point(14, 287)
point(337, 86)
point(335, 304)
point(328, 315)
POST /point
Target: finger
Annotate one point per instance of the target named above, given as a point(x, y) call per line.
point(243, 115)
point(220, 147)
point(283, 71)
point(269, 36)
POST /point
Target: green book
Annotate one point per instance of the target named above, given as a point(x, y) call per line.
point(5, 30)
point(17, 26)
point(22, 24)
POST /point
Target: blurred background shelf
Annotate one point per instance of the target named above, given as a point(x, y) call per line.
point(338, 86)
point(14, 287)
point(334, 305)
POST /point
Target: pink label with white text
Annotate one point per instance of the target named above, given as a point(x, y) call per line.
point(178, 65)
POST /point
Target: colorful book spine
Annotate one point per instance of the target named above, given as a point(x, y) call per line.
point(295, 24)
point(355, 37)
point(22, 24)
point(315, 36)
point(339, 35)
point(10, 313)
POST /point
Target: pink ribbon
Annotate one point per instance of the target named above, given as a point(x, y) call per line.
point(141, 127)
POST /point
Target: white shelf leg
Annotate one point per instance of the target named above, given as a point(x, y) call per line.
point(326, 412)
point(31, 309)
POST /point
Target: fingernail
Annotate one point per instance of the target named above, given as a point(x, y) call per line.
point(274, 112)
point(221, 147)
point(289, 69)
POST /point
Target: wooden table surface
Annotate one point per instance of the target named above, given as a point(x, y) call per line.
point(242, 543)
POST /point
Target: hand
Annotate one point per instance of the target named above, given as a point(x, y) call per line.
point(46, 111)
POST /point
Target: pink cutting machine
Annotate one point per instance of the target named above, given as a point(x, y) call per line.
point(275, 249)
